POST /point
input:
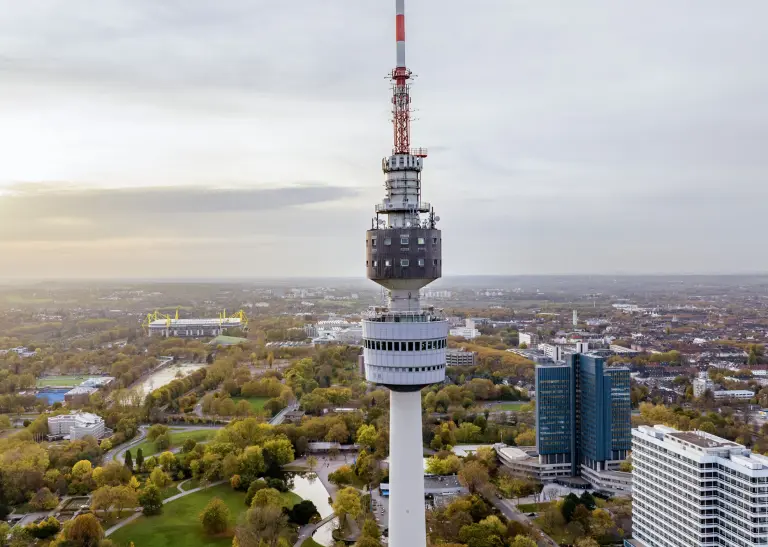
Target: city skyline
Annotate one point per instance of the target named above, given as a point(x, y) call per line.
point(154, 141)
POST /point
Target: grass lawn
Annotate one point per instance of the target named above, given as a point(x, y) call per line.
point(63, 381)
point(257, 403)
point(179, 524)
point(290, 499)
point(191, 484)
point(513, 406)
point(534, 507)
point(177, 439)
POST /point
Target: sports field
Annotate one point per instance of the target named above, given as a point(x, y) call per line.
point(62, 381)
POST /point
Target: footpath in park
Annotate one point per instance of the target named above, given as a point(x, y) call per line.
point(138, 512)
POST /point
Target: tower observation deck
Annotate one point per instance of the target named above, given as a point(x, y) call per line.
point(404, 343)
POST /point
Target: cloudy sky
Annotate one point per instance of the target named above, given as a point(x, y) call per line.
point(202, 138)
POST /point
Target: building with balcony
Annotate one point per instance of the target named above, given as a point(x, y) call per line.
point(694, 489)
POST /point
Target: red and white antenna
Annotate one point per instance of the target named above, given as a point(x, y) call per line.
point(401, 92)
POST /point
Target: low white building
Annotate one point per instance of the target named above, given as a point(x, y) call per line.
point(77, 425)
point(743, 394)
point(691, 489)
point(468, 331)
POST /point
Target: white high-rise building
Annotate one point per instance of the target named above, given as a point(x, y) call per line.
point(702, 384)
point(694, 489)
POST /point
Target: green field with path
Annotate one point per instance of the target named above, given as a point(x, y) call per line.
point(179, 523)
point(510, 406)
point(257, 403)
point(177, 439)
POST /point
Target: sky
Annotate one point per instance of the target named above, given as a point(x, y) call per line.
point(199, 138)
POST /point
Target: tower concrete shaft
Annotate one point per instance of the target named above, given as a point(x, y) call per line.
point(404, 342)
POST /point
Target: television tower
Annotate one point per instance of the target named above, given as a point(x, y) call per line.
point(404, 343)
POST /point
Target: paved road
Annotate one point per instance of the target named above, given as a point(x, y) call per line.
point(508, 509)
point(118, 452)
point(138, 513)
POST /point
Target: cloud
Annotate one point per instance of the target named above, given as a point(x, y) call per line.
point(44, 212)
point(588, 137)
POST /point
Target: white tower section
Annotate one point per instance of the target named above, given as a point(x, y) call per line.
point(404, 344)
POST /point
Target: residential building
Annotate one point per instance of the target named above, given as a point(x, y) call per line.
point(694, 489)
point(77, 425)
point(468, 331)
point(554, 352)
point(582, 422)
point(530, 339)
point(702, 384)
point(460, 358)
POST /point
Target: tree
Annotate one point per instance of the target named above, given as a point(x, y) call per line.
point(156, 431)
point(278, 451)
point(474, 476)
point(188, 445)
point(151, 500)
point(582, 515)
point(215, 517)
point(302, 512)
point(367, 435)
point(252, 464)
point(43, 530)
point(347, 503)
point(343, 475)
point(44, 499)
point(82, 470)
point(587, 500)
point(159, 478)
point(128, 460)
point(83, 531)
point(338, 433)
point(163, 442)
point(261, 527)
point(568, 507)
point(139, 459)
point(267, 497)
point(312, 463)
point(522, 541)
point(601, 523)
point(167, 461)
point(526, 438)
point(255, 486)
point(587, 542)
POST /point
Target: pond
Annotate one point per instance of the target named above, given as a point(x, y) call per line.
point(311, 488)
point(165, 376)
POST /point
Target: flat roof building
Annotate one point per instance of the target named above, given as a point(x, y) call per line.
point(583, 415)
point(77, 425)
point(193, 328)
point(694, 489)
point(460, 358)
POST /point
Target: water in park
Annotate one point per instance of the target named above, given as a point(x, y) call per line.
point(314, 490)
point(165, 376)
